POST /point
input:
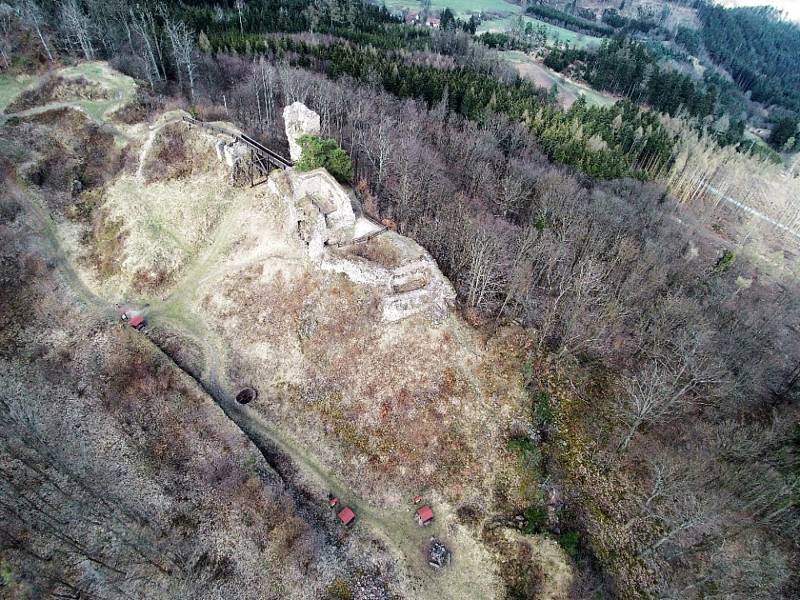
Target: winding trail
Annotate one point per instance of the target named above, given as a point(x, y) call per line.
point(295, 463)
point(304, 474)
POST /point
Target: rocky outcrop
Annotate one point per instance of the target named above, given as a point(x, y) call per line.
point(324, 208)
point(299, 120)
point(413, 287)
point(323, 212)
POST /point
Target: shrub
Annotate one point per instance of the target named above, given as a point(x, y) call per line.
point(535, 519)
point(324, 152)
point(542, 411)
point(725, 261)
point(569, 541)
point(339, 590)
point(522, 445)
point(689, 39)
point(383, 254)
point(9, 209)
point(531, 459)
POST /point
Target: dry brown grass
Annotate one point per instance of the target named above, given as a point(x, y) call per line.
point(63, 146)
point(142, 109)
point(378, 251)
point(175, 457)
point(104, 242)
point(398, 399)
point(521, 575)
point(169, 157)
point(54, 88)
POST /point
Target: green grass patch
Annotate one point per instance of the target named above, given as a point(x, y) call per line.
point(10, 87)
point(570, 542)
point(535, 519)
point(545, 77)
point(542, 410)
point(119, 88)
point(555, 34)
point(459, 7)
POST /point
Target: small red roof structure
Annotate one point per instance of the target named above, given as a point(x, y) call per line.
point(333, 502)
point(136, 321)
point(346, 515)
point(417, 499)
point(424, 515)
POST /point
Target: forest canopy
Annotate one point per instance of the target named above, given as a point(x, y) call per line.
point(761, 51)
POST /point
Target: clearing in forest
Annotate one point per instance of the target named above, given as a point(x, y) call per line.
point(554, 32)
point(568, 90)
point(462, 8)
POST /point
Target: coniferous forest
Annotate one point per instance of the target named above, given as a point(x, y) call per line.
point(625, 66)
point(761, 50)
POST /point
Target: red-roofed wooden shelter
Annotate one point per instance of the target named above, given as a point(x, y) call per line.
point(346, 515)
point(424, 515)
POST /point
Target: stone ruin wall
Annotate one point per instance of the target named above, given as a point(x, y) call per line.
point(417, 285)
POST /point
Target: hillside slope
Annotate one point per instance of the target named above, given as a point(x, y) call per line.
point(152, 217)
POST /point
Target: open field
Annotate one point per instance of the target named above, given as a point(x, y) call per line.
point(568, 91)
point(506, 15)
point(554, 33)
point(460, 7)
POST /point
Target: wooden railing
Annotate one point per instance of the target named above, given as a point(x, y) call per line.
point(261, 157)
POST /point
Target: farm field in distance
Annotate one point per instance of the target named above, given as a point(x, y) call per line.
point(554, 33)
point(506, 14)
point(568, 91)
point(460, 7)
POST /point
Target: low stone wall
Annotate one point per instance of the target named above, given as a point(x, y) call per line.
point(323, 212)
point(340, 222)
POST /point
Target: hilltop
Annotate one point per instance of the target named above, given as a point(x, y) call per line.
point(369, 386)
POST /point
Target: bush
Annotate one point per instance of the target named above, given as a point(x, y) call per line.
point(383, 254)
point(569, 541)
point(542, 411)
point(535, 519)
point(784, 130)
point(339, 590)
point(725, 261)
point(324, 152)
point(689, 39)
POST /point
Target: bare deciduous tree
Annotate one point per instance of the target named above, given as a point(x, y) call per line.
point(6, 19)
point(32, 16)
point(77, 28)
point(182, 42)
